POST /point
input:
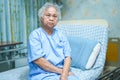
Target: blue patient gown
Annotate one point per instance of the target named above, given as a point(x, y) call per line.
point(53, 48)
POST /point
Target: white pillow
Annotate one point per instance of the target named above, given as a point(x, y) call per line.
point(84, 51)
point(93, 56)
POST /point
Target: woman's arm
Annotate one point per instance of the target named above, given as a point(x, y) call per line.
point(66, 67)
point(46, 65)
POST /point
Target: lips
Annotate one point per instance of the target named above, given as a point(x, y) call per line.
point(51, 23)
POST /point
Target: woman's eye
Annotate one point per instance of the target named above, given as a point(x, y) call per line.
point(55, 16)
point(48, 15)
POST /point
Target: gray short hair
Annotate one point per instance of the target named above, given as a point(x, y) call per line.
point(47, 5)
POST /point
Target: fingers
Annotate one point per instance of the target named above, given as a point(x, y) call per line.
point(71, 73)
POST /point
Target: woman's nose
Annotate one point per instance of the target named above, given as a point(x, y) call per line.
point(51, 18)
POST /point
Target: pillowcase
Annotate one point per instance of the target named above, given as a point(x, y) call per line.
point(93, 56)
point(84, 52)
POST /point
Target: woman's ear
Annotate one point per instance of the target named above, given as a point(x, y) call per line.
point(41, 19)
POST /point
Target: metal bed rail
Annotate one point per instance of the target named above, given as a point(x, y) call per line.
point(11, 50)
point(113, 75)
point(8, 57)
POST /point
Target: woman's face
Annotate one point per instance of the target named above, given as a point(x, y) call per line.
point(50, 18)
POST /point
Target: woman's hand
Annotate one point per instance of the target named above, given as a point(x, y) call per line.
point(63, 77)
point(71, 73)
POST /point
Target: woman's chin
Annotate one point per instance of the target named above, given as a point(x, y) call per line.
point(51, 26)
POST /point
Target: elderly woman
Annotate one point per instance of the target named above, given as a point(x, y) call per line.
point(49, 52)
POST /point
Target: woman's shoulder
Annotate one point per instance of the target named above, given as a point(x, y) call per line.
point(60, 33)
point(36, 32)
point(58, 30)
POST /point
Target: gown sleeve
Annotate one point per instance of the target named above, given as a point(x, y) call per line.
point(35, 50)
point(67, 48)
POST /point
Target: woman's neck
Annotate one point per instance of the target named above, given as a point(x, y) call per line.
point(48, 30)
